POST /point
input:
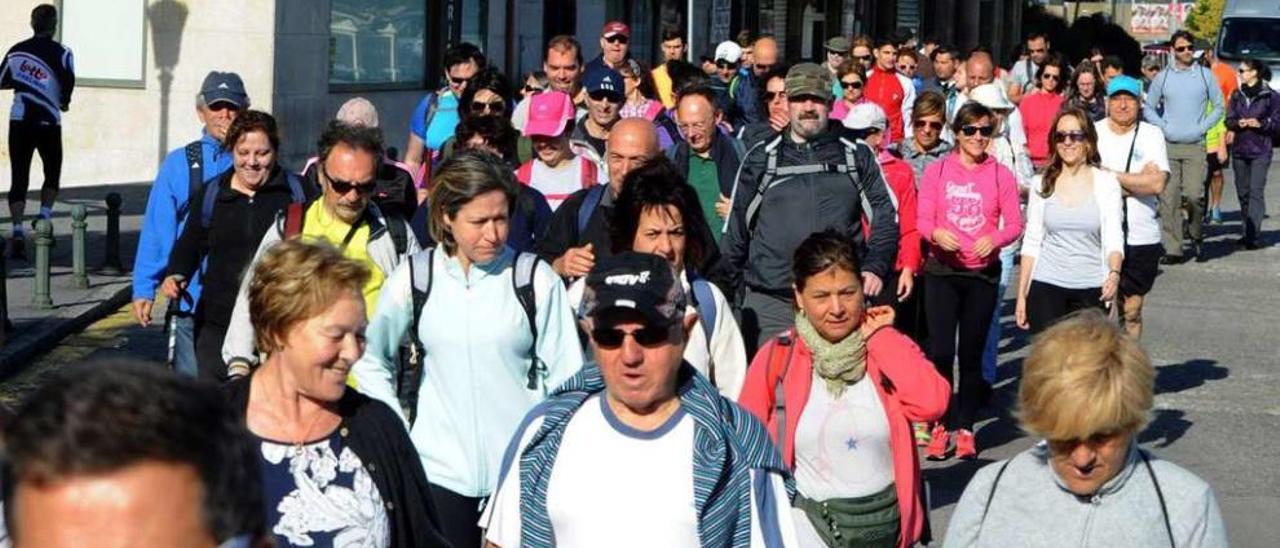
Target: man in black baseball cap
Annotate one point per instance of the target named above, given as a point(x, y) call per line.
point(648, 445)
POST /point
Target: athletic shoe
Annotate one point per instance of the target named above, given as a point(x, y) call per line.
point(922, 433)
point(965, 446)
point(18, 247)
point(938, 444)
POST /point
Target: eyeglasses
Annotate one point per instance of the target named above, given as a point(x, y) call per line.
point(1067, 137)
point(342, 188)
point(532, 89)
point(970, 131)
point(1182, 49)
point(612, 338)
point(605, 95)
point(850, 85)
point(769, 96)
point(921, 124)
point(725, 64)
point(1049, 76)
point(496, 107)
point(696, 126)
point(905, 68)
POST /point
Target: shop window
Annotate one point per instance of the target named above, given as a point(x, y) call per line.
point(377, 43)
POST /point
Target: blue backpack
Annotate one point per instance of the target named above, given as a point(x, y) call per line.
point(211, 196)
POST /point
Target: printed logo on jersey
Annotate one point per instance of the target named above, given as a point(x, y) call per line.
point(964, 209)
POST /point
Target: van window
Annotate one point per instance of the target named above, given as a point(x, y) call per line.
point(1250, 37)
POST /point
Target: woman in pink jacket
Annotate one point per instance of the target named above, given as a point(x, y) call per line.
point(839, 392)
point(967, 210)
point(1039, 108)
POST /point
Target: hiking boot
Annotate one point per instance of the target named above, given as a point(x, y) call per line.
point(1198, 248)
point(938, 444)
point(18, 247)
point(966, 448)
point(921, 431)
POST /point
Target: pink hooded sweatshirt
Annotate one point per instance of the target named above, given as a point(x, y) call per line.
point(970, 203)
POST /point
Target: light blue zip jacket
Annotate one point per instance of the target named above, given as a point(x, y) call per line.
point(1176, 103)
point(473, 393)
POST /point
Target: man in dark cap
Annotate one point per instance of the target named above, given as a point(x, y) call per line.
point(832, 181)
point(641, 444)
point(182, 174)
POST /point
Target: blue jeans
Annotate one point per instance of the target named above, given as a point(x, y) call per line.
point(991, 353)
point(184, 345)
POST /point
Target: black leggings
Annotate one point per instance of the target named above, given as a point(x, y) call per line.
point(25, 138)
point(1048, 303)
point(966, 303)
point(459, 516)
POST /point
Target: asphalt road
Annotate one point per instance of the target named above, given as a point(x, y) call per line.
point(1213, 330)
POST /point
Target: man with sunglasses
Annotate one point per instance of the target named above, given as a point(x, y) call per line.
point(436, 115)
point(182, 174)
point(604, 90)
point(639, 445)
point(614, 42)
point(1025, 70)
point(894, 92)
point(809, 177)
point(1176, 104)
point(343, 216)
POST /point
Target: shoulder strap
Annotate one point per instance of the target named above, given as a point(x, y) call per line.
point(433, 102)
point(207, 203)
point(770, 173)
point(779, 395)
point(293, 219)
point(522, 283)
point(420, 286)
point(398, 233)
point(524, 173)
point(705, 301)
point(992, 494)
point(588, 206)
point(589, 173)
point(195, 171)
point(295, 187)
point(1164, 509)
point(738, 147)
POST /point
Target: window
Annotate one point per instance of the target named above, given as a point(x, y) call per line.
point(1247, 37)
point(106, 59)
point(377, 43)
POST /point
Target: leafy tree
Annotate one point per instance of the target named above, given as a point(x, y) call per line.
point(1205, 19)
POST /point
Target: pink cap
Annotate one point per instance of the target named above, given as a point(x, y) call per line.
point(549, 111)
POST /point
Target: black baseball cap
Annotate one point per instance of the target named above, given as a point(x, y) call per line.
point(224, 87)
point(638, 282)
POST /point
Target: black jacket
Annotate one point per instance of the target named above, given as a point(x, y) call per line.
point(42, 75)
point(724, 151)
point(393, 188)
point(797, 206)
point(229, 242)
point(378, 437)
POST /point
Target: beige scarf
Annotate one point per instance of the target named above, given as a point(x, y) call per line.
point(840, 364)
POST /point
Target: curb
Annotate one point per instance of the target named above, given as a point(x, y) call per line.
point(46, 335)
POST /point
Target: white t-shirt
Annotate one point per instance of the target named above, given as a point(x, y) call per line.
point(842, 443)
point(1144, 225)
point(612, 485)
point(557, 183)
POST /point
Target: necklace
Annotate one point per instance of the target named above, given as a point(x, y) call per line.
point(297, 445)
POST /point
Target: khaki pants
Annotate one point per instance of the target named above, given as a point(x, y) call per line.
point(1187, 167)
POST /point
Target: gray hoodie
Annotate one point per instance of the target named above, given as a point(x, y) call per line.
point(1184, 102)
point(1031, 507)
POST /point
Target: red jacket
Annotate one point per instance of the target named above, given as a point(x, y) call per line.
point(1038, 110)
point(885, 89)
point(908, 385)
point(901, 179)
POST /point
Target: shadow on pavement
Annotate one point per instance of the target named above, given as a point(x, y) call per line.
point(1167, 426)
point(1187, 375)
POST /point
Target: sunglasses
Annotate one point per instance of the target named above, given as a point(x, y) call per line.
point(1066, 137)
point(1245, 69)
point(603, 95)
point(970, 131)
point(838, 53)
point(863, 57)
point(616, 39)
point(724, 64)
point(342, 188)
point(850, 85)
point(769, 96)
point(1182, 49)
point(648, 336)
point(532, 89)
point(496, 107)
point(905, 68)
point(921, 124)
point(1048, 76)
point(458, 81)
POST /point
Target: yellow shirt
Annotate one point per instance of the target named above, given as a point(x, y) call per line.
point(321, 226)
point(662, 81)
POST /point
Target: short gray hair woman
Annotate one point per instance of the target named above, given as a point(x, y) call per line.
point(1087, 389)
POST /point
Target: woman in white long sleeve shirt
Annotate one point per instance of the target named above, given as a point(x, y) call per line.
point(478, 349)
point(1074, 241)
point(653, 214)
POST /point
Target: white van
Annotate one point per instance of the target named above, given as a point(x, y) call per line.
point(1251, 28)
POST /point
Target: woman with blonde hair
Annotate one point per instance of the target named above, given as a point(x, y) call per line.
point(1087, 389)
point(336, 465)
point(1074, 243)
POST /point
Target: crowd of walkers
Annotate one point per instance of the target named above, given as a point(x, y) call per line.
point(724, 305)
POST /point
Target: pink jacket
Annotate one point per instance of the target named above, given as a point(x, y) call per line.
point(971, 203)
point(907, 383)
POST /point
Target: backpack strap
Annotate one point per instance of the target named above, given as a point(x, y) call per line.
point(1164, 508)
point(522, 283)
point(419, 264)
point(770, 173)
point(705, 301)
point(524, 173)
point(296, 193)
point(779, 395)
point(588, 206)
point(209, 200)
point(399, 234)
point(195, 174)
point(293, 219)
point(1124, 202)
point(590, 173)
point(992, 493)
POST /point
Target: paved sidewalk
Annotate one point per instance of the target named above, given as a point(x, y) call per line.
point(35, 330)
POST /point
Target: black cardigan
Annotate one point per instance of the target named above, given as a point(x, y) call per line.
point(378, 437)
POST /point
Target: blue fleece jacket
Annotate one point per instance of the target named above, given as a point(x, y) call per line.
point(167, 214)
point(1176, 103)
